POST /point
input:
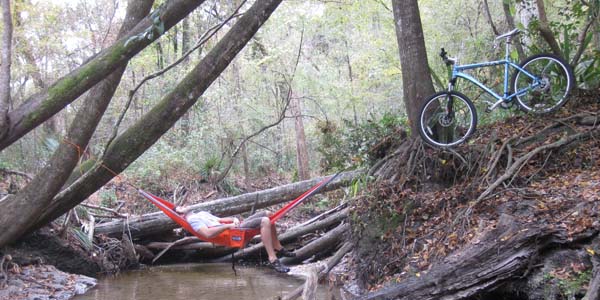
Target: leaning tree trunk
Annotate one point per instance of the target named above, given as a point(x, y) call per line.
point(416, 79)
point(34, 198)
point(40, 107)
point(144, 133)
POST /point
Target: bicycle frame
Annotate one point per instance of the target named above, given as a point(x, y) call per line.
point(457, 72)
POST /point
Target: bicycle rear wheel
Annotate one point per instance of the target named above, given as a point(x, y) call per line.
point(447, 119)
point(550, 88)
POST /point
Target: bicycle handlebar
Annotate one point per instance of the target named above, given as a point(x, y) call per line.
point(444, 56)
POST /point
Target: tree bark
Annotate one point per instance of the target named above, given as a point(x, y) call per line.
point(185, 47)
point(416, 79)
point(544, 28)
point(48, 102)
point(158, 222)
point(301, 151)
point(320, 245)
point(5, 65)
point(34, 198)
point(504, 253)
point(510, 20)
point(488, 15)
point(150, 127)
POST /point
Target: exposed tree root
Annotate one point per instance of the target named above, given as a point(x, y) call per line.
point(519, 163)
point(422, 189)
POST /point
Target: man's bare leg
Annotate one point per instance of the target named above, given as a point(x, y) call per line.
point(266, 235)
point(276, 243)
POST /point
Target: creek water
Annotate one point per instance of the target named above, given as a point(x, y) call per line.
point(198, 282)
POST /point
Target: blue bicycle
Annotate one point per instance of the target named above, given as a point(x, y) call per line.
point(540, 85)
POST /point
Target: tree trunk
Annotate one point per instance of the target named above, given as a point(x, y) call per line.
point(185, 47)
point(416, 79)
point(488, 15)
point(38, 108)
point(5, 64)
point(301, 151)
point(144, 133)
point(34, 198)
point(510, 20)
point(544, 28)
point(158, 222)
point(527, 12)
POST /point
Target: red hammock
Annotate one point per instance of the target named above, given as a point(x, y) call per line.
point(235, 237)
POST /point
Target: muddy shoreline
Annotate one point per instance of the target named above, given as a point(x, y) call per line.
point(45, 266)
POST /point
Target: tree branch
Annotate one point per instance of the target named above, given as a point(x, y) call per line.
point(42, 106)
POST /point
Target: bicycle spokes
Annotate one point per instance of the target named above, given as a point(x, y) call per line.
point(549, 86)
point(447, 119)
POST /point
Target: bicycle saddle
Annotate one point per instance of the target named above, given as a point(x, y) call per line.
point(509, 34)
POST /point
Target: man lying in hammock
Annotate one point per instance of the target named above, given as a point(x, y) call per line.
point(210, 225)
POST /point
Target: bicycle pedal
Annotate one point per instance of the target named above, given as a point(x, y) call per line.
point(506, 105)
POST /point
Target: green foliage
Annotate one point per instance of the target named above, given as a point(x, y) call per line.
point(210, 166)
point(361, 143)
point(587, 72)
point(566, 24)
point(82, 238)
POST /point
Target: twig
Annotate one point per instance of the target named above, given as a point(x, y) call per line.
point(519, 163)
point(2, 272)
point(12, 172)
point(184, 240)
point(108, 216)
point(103, 209)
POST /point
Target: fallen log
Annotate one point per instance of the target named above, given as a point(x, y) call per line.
point(157, 222)
point(318, 246)
point(292, 234)
point(507, 252)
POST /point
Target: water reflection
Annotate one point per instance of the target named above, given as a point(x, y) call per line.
point(196, 281)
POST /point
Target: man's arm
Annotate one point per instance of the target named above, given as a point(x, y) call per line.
point(230, 220)
point(210, 232)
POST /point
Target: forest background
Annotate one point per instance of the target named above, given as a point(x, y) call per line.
point(312, 92)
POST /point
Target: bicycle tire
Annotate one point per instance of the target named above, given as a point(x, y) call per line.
point(432, 114)
point(558, 81)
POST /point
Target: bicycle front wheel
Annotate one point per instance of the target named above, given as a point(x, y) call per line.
point(447, 119)
point(546, 88)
